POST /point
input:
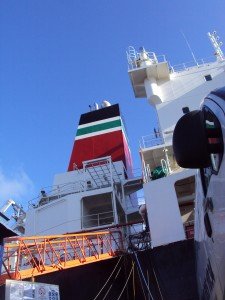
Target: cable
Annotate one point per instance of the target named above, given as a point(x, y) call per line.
point(157, 283)
point(107, 279)
point(125, 265)
point(134, 283)
point(143, 276)
point(126, 282)
point(112, 284)
point(153, 269)
point(141, 283)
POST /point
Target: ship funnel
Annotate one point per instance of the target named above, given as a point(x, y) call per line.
point(101, 133)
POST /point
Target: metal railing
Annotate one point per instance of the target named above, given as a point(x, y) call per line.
point(58, 191)
point(62, 190)
point(96, 220)
point(135, 59)
point(97, 174)
point(25, 257)
point(151, 140)
point(192, 64)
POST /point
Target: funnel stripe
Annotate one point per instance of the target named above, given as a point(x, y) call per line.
point(99, 127)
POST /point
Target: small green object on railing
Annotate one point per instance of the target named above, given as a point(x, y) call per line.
point(158, 172)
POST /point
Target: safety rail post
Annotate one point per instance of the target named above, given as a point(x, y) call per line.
point(82, 251)
point(74, 249)
point(6, 267)
point(9, 254)
point(98, 245)
point(17, 260)
point(65, 255)
point(91, 247)
point(53, 252)
point(44, 250)
point(40, 255)
point(110, 243)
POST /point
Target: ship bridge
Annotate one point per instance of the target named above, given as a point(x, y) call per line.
point(172, 91)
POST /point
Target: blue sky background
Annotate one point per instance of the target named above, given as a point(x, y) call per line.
point(57, 57)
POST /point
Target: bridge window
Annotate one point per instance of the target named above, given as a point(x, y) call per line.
point(208, 77)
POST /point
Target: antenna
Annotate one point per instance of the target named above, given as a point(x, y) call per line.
point(214, 38)
point(189, 47)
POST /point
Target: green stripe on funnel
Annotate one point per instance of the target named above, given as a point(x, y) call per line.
point(99, 127)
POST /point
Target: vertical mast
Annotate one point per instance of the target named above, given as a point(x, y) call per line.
point(214, 38)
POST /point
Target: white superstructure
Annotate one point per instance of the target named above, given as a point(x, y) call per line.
point(94, 197)
point(169, 190)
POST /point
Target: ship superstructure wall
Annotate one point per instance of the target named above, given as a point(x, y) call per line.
point(186, 89)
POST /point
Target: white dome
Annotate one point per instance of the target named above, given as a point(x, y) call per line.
point(105, 103)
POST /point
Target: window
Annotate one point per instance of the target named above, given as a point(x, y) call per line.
point(215, 146)
point(185, 109)
point(208, 77)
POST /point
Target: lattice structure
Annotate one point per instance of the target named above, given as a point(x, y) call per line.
point(102, 172)
point(25, 257)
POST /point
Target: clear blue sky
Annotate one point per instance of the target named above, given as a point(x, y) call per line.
point(57, 57)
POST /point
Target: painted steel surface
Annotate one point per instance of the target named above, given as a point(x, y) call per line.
point(25, 257)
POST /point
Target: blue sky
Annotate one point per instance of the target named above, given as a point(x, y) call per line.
point(57, 57)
